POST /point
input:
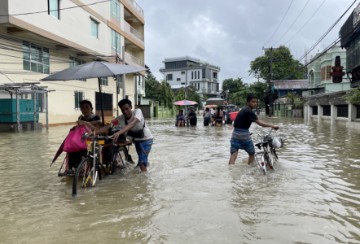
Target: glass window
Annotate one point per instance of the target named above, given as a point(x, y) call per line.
point(358, 111)
point(94, 28)
point(79, 96)
point(104, 81)
point(169, 77)
point(115, 10)
point(54, 8)
point(35, 58)
point(115, 41)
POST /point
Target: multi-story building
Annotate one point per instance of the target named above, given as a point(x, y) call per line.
point(319, 72)
point(350, 40)
point(188, 71)
point(38, 38)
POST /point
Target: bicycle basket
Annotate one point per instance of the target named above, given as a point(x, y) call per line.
point(277, 142)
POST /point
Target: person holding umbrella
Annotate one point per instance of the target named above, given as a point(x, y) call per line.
point(132, 123)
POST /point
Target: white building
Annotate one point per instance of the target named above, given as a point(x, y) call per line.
point(188, 71)
point(38, 38)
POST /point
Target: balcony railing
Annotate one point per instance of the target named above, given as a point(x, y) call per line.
point(133, 60)
point(129, 29)
point(136, 6)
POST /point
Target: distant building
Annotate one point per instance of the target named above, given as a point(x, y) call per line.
point(319, 69)
point(42, 37)
point(188, 71)
point(283, 87)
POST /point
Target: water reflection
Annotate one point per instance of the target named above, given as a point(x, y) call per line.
point(190, 194)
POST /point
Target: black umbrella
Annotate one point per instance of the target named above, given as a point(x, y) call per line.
point(96, 69)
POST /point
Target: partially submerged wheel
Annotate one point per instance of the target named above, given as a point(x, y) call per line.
point(85, 174)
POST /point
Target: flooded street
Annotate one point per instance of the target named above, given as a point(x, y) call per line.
point(190, 194)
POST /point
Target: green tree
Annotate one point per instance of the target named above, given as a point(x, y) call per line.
point(190, 95)
point(353, 96)
point(284, 66)
point(232, 85)
point(159, 91)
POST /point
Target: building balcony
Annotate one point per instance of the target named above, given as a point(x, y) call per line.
point(208, 91)
point(133, 5)
point(132, 60)
point(132, 31)
point(141, 90)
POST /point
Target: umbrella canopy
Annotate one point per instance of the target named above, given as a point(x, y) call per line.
point(185, 103)
point(94, 69)
point(215, 101)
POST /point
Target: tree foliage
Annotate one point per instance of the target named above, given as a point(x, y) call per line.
point(284, 66)
point(353, 96)
point(159, 91)
point(190, 95)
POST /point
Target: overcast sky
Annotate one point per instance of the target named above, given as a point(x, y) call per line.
point(232, 33)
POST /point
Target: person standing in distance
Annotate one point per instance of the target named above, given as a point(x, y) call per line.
point(241, 138)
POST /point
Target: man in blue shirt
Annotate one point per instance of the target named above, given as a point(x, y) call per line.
point(241, 136)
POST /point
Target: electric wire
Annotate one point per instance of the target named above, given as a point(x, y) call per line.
point(292, 24)
point(281, 21)
point(326, 32)
point(308, 20)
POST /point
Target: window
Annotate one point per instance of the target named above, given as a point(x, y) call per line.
point(198, 74)
point(107, 101)
point(54, 8)
point(314, 110)
point(183, 72)
point(169, 77)
point(115, 41)
point(327, 110)
point(342, 111)
point(104, 81)
point(203, 73)
point(178, 79)
point(215, 75)
point(79, 96)
point(94, 28)
point(115, 10)
point(358, 112)
point(74, 62)
point(35, 58)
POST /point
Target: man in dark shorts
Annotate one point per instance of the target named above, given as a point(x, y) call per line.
point(241, 136)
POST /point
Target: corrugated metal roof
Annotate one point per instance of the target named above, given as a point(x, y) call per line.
point(290, 84)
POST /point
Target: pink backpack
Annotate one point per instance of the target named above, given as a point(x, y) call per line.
point(74, 142)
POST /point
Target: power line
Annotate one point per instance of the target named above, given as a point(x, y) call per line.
point(326, 33)
point(302, 27)
point(277, 28)
point(46, 11)
point(292, 24)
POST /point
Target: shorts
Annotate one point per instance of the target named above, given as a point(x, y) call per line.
point(143, 149)
point(246, 145)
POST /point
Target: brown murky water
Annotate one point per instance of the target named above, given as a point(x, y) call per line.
point(190, 194)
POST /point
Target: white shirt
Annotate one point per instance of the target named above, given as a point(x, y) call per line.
point(137, 113)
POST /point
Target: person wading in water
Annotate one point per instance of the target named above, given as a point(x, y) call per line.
point(241, 138)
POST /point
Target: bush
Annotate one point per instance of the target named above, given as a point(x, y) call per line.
point(353, 96)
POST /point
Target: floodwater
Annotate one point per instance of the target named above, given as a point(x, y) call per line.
point(190, 194)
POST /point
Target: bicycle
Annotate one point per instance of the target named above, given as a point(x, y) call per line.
point(90, 168)
point(268, 157)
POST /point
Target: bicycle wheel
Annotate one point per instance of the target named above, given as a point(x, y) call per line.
point(274, 155)
point(118, 159)
point(86, 174)
point(263, 164)
point(268, 160)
